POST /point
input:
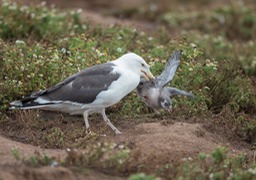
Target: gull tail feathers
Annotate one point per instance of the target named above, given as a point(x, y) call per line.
point(30, 102)
point(30, 105)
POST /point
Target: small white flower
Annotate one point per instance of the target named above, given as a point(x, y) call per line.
point(43, 3)
point(120, 161)
point(99, 53)
point(206, 87)
point(251, 43)
point(113, 146)
point(19, 83)
point(211, 176)
point(32, 15)
point(63, 50)
point(252, 171)
point(193, 45)
point(134, 30)
point(84, 27)
point(13, 7)
point(119, 49)
point(121, 146)
point(79, 11)
point(23, 8)
point(190, 158)
point(150, 38)
point(20, 42)
point(56, 56)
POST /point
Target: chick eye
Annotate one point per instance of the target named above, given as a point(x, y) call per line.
point(166, 103)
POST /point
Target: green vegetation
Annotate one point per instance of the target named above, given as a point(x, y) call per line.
point(116, 158)
point(37, 22)
point(40, 47)
point(15, 153)
point(35, 160)
point(218, 165)
point(141, 176)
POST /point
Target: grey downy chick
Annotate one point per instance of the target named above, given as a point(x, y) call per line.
point(155, 93)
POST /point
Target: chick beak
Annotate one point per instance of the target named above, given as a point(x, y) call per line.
point(147, 75)
point(169, 109)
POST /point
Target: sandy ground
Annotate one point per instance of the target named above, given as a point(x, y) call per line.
point(175, 140)
point(154, 141)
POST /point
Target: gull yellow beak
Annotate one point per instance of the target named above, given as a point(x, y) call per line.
point(147, 75)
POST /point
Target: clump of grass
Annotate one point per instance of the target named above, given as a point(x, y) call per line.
point(217, 165)
point(105, 156)
point(16, 153)
point(142, 176)
point(55, 137)
point(39, 159)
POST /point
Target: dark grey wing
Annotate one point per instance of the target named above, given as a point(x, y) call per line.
point(169, 71)
point(174, 91)
point(84, 86)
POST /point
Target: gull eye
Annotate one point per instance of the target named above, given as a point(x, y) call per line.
point(143, 65)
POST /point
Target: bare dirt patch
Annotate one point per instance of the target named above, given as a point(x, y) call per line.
point(173, 138)
point(151, 143)
point(173, 142)
point(26, 150)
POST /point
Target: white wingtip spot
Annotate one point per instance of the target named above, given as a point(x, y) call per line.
point(40, 100)
point(16, 103)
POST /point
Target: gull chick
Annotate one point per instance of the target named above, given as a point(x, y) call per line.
point(155, 93)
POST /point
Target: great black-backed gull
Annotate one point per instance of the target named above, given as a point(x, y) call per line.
point(91, 90)
point(154, 93)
